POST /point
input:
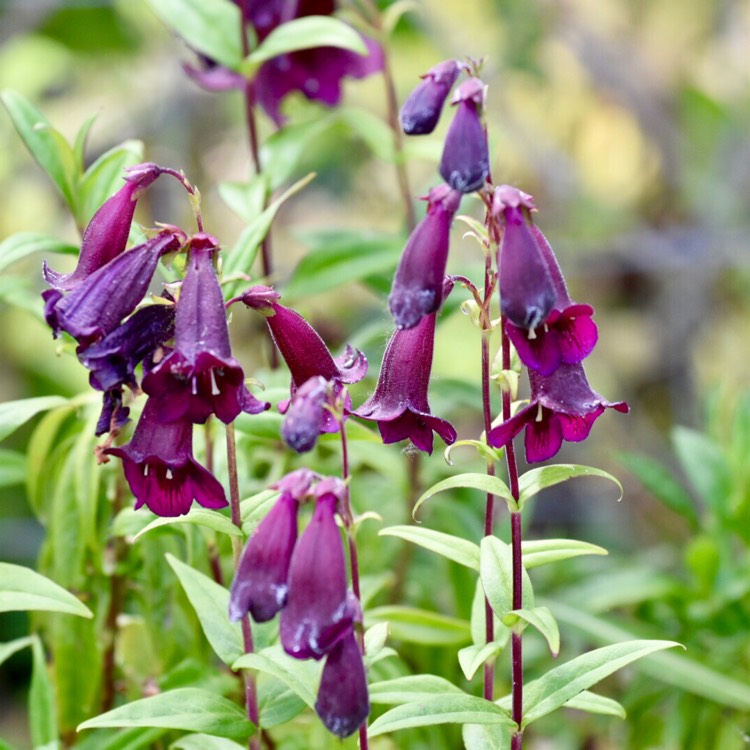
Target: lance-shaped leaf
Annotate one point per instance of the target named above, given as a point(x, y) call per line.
point(535, 480)
point(25, 589)
point(496, 572)
point(452, 547)
point(481, 482)
point(544, 551)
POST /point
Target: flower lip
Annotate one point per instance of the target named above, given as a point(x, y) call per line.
point(508, 196)
point(472, 90)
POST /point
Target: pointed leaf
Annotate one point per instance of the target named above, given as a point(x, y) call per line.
point(209, 519)
point(596, 704)
point(11, 647)
point(13, 414)
point(473, 657)
point(450, 708)
point(543, 620)
point(411, 688)
point(21, 245)
point(420, 626)
point(481, 482)
point(545, 551)
point(375, 639)
point(24, 589)
point(246, 199)
point(536, 480)
point(211, 604)
point(191, 709)
point(496, 572)
point(454, 548)
point(42, 710)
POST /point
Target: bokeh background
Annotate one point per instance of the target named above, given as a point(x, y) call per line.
point(629, 121)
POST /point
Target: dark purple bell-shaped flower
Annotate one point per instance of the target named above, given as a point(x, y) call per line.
point(465, 164)
point(200, 377)
point(399, 404)
point(160, 468)
point(106, 235)
point(562, 407)
point(319, 611)
point(260, 585)
point(422, 108)
point(343, 702)
point(418, 284)
point(311, 411)
point(98, 304)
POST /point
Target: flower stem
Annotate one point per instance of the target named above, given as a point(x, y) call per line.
point(251, 688)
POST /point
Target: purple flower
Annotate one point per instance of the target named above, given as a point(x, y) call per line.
point(399, 403)
point(312, 411)
point(113, 416)
point(418, 284)
point(107, 233)
point(465, 164)
point(422, 108)
point(562, 407)
point(200, 377)
point(319, 611)
point(544, 335)
point(343, 702)
point(98, 304)
point(160, 468)
point(260, 584)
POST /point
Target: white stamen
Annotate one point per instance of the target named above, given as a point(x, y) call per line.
point(168, 475)
point(195, 385)
point(215, 390)
point(539, 413)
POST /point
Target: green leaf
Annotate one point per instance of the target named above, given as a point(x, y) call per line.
point(454, 548)
point(82, 136)
point(21, 245)
point(122, 739)
point(12, 468)
point(373, 130)
point(411, 688)
point(596, 704)
point(205, 742)
point(473, 657)
point(13, 414)
point(305, 33)
point(209, 519)
point(450, 708)
point(11, 647)
point(24, 589)
point(536, 480)
point(246, 199)
point(481, 447)
point(545, 551)
point(299, 677)
point(211, 603)
point(191, 709)
point(481, 482)
point(677, 670)
point(242, 255)
point(496, 573)
point(339, 257)
point(375, 639)
point(212, 27)
point(42, 710)
point(420, 626)
point(51, 151)
point(543, 620)
point(562, 683)
point(486, 737)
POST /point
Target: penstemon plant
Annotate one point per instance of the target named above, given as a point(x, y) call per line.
point(293, 629)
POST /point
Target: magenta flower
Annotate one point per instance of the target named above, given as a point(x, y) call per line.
point(343, 702)
point(200, 377)
point(319, 611)
point(107, 233)
point(100, 302)
point(465, 164)
point(562, 407)
point(160, 468)
point(422, 108)
point(418, 284)
point(399, 404)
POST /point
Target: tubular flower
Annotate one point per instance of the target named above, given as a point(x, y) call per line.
point(399, 404)
point(106, 235)
point(319, 611)
point(312, 411)
point(562, 406)
point(418, 284)
point(465, 164)
point(98, 304)
point(200, 377)
point(160, 468)
point(422, 108)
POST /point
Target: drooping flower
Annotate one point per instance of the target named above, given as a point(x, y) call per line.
point(160, 468)
point(545, 325)
point(562, 406)
point(343, 702)
point(399, 404)
point(465, 163)
point(418, 284)
point(319, 611)
point(200, 377)
point(106, 235)
point(312, 411)
point(421, 110)
point(100, 302)
point(113, 416)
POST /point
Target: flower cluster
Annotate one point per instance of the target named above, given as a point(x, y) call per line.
point(181, 342)
point(305, 580)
